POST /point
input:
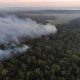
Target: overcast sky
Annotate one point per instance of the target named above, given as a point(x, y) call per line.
point(40, 3)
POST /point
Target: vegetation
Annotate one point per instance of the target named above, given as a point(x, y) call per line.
point(52, 57)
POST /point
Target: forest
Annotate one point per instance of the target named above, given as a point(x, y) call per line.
point(52, 57)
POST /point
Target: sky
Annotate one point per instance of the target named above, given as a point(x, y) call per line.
point(40, 3)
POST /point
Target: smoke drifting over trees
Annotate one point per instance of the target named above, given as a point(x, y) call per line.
point(13, 30)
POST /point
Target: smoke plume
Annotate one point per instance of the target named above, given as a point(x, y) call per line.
point(13, 30)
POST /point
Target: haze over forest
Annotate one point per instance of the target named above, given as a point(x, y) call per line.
point(39, 39)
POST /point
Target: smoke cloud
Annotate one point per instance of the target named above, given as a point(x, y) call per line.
point(13, 30)
point(8, 53)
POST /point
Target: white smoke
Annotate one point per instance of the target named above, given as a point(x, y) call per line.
point(13, 29)
point(8, 53)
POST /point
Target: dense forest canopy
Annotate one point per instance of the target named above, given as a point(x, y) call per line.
point(52, 57)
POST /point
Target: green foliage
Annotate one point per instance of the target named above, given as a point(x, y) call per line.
point(52, 57)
